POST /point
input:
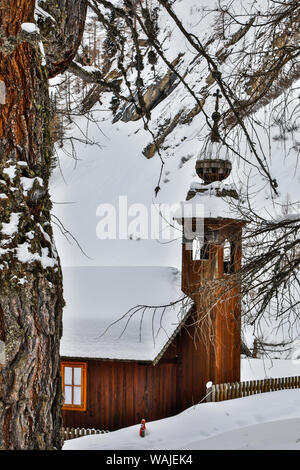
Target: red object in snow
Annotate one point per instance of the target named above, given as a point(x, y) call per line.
point(143, 428)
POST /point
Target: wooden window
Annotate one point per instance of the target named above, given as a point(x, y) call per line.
point(74, 385)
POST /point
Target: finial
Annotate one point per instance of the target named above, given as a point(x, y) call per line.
point(215, 136)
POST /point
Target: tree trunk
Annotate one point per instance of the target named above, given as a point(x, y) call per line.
point(31, 298)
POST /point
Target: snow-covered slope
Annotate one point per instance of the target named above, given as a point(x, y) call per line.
point(265, 421)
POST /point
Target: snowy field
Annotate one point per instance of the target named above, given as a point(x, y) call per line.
point(265, 421)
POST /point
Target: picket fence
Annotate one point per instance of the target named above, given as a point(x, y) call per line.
point(228, 391)
point(72, 433)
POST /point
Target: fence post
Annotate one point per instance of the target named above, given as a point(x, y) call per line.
point(229, 391)
point(225, 392)
point(213, 394)
point(209, 387)
point(217, 392)
point(221, 392)
point(233, 390)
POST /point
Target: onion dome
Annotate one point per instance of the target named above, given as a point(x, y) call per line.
point(213, 165)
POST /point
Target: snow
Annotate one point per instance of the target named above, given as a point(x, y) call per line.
point(87, 68)
point(101, 175)
point(10, 171)
point(212, 187)
point(289, 217)
point(265, 421)
point(3, 196)
point(119, 168)
point(98, 296)
point(207, 205)
point(24, 255)
point(44, 63)
point(45, 234)
point(189, 209)
point(30, 28)
point(90, 68)
point(273, 330)
point(267, 368)
point(12, 226)
point(27, 183)
point(30, 235)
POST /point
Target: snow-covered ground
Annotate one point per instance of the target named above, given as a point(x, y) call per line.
point(265, 421)
point(267, 368)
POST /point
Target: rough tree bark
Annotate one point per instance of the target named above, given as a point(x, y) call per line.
point(31, 297)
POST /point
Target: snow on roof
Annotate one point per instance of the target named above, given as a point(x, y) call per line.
point(96, 297)
point(206, 205)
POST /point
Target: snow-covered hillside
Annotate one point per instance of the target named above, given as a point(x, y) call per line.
point(101, 175)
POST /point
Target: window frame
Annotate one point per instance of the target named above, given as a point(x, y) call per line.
point(83, 386)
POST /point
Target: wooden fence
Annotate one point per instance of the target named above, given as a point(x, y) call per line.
point(228, 391)
point(72, 433)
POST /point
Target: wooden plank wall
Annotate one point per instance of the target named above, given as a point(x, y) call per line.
point(120, 394)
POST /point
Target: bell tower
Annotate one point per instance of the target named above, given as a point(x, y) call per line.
point(211, 261)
